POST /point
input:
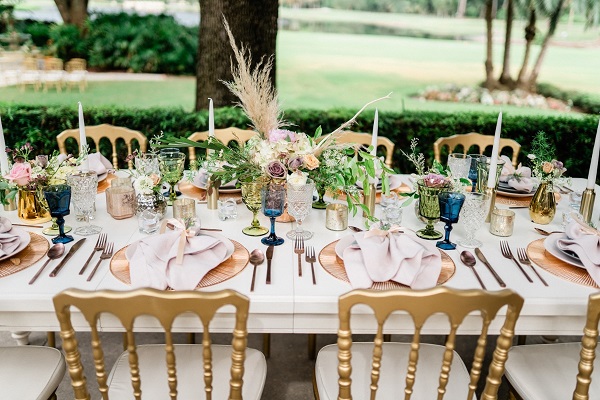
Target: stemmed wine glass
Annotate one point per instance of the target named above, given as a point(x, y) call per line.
point(84, 185)
point(171, 169)
point(252, 200)
point(459, 165)
point(450, 205)
point(472, 216)
point(273, 203)
point(58, 198)
point(473, 170)
point(299, 198)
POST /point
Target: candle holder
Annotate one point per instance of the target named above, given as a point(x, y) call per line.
point(369, 200)
point(491, 193)
point(212, 194)
point(587, 204)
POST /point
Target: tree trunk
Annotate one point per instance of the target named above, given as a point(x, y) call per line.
point(505, 78)
point(462, 7)
point(489, 62)
point(253, 24)
point(529, 37)
point(73, 12)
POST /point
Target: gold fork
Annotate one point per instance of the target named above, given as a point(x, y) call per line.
point(507, 253)
point(299, 249)
point(524, 258)
point(100, 244)
point(311, 258)
point(107, 253)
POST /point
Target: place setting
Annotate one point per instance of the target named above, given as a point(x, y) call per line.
point(19, 249)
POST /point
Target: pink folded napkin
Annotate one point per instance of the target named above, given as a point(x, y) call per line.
point(519, 178)
point(152, 261)
point(584, 241)
point(99, 163)
point(401, 257)
point(9, 240)
point(201, 180)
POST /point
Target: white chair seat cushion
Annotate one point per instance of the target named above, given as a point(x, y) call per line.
point(190, 373)
point(547, 371)
point(394, 365)
point(30, 372)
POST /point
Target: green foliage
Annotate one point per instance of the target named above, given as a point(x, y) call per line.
point(39, 31)
point(40, 125)
point(66, 42)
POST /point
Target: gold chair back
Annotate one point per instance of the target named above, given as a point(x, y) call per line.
point(76, 64)
point(112, 133)
point(53, 64)
point(226, 135)
point(164, 306)
point(456, 305)
point(76, 73)
point(589, 342)
point(474, 139)
point(364, 139)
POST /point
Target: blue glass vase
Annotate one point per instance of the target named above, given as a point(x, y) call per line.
point(450, 205)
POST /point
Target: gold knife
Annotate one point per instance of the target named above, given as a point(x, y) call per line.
point(72, 251)
point(487, 264)
point(269, 257)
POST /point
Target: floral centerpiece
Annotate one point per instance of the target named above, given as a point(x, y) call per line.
point(548, 171)
point(147, 181)
point(277, 154)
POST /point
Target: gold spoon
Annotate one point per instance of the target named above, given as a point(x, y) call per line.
point(546, 233)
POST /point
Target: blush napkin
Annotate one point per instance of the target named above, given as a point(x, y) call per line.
point(585, 242)
point(9, 242)
point(519, 178)
point(152, 261)
point(380, 256)
point(99, 164)
point(201, 180)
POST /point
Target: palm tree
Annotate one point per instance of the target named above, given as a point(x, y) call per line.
point(530, 30)
point(505, 78)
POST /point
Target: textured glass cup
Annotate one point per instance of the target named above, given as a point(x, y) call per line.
point(459, 165)
point(273, 203)
point(84, 185)
point(184, 210)
point(252, 200)
point(429, 210)
point(473, 170)
point(58, 198)
point(483, 169)
point(147, 164)
point(450, 205)
point(171, 166)
point(299, 198)
point(391, 207)
point(472, 216)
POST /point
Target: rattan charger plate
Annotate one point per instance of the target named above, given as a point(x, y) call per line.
point(35, 250)
point(195, 192)
point(119, 267)
point(105, 183)
point(335, 267)
point(538, 254)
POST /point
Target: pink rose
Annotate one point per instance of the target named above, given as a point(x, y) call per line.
point(20, 173)
point(547, 167)
point(281, 134)
point(434, 180)
point(276, 169)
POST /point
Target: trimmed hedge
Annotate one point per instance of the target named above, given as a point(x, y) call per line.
point(573, 136)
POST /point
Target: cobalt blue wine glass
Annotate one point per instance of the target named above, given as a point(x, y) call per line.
point(450, 205)
point(473, 170)
point(273, 202)
point(58, 198)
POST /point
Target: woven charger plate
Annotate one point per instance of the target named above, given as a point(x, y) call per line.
point(31, 254)
point(538, 254)
point(518, 201)
point(105, 183)
point(119, 267)
point(194, 192)
point(335, 267)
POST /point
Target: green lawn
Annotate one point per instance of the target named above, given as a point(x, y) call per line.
point(320, 70)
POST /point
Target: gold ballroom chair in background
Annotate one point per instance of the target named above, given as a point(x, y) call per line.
point(76, 69)
point(390, 370)
point(365, 140)
point(112, 133)
point(161, 371)
point(225, 135)
point(53, 74)
point(547, 371)
point(474, 139)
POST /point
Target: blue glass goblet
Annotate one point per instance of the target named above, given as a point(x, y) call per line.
point(58, 198)
point(473, 170)
point(450, 205)
point(273, 202)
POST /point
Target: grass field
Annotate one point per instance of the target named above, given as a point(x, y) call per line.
point(324, 70)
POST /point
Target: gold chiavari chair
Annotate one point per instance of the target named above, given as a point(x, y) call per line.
point(474, 139)
point(415, 370)
point(183, 371)
point(364, 139)
point(30, 372)
point(547, 371)
point(226, 135)
point(112, 133)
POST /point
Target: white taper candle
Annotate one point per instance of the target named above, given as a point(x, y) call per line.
point(85, 164)
point(491, 183)
point(375, 131)
point(3, 157)
point(591, 182)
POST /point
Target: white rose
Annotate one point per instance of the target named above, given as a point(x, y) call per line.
point(297, 179)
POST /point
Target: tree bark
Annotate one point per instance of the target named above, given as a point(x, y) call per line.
point(462, 7)
point(73, 12)
point(529, 37)
point(253, 24)
point(505, 78)
point(489, 62)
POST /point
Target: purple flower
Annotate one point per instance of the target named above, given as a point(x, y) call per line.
point(295, 163)
point(276, 169)
point(41, 161)
point(281, 134)
point(434, 180)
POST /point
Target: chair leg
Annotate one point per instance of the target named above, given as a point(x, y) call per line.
point(267, 345)
point(312, 346)
point(125, 342)
point(51, 339)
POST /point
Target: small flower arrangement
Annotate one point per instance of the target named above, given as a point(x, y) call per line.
point(544, 165)
point(144, 183)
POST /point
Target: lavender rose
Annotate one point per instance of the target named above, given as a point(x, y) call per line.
point(41, 161)
point(295, 163)
point(434, 180)
point(276, 169)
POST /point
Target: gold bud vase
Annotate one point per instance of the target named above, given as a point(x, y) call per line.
point(32, 207)
point(543, 204)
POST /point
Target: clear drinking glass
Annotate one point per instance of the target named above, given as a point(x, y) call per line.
point(459, 165)
point(147, 164)
point(472, 216)
point(299, 198)
point(171, 166)
point(391, 207)
point(273, 203)
point(84, 185)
